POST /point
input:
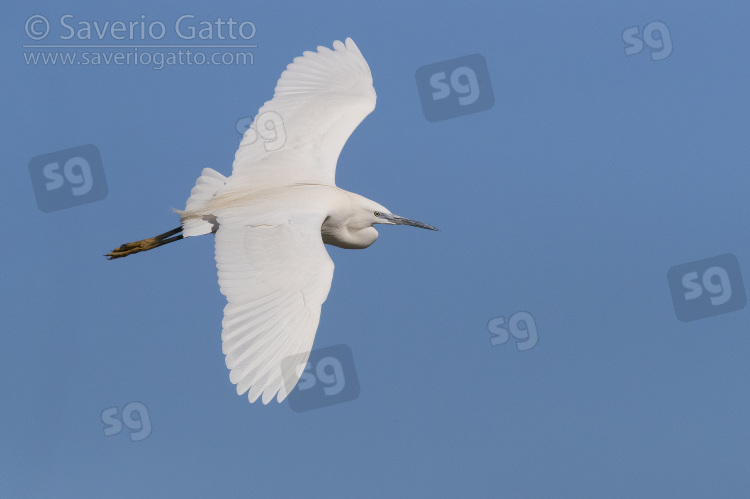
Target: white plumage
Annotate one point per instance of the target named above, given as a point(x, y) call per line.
point(272, 265)
point(273, 215)
point(321, 98)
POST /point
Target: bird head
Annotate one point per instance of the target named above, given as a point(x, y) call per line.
point(371, 213)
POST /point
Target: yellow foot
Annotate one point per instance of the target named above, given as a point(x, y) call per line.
point(145, 244)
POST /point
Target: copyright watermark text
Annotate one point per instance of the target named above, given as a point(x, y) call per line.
point(155, 43)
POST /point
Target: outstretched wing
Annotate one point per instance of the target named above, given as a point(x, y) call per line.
point(276, 274)
point(298, 135)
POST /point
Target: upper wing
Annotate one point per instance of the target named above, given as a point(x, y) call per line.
point(298, 135)
point(276, 275)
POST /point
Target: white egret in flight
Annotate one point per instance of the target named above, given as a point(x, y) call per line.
point(272, 216)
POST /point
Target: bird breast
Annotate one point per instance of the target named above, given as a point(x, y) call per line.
point(342, 235)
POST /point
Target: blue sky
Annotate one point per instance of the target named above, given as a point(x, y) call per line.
point(590, 177)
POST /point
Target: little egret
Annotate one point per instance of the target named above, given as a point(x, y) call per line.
point(272, 216)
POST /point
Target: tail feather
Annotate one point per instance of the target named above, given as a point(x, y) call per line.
point(206, 187)
point(194, 223)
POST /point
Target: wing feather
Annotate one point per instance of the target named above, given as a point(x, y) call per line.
point(298, 135)
point(276, 277)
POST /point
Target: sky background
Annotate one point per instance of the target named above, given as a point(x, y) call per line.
point(570, 198)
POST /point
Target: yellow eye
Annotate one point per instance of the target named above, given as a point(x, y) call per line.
point(377, 213)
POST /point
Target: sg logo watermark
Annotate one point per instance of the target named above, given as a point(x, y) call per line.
point(68, 178)
point(521, 326)
point(661, 46)
point(455, 88)
point(268, 126)
point(327, 378)
point(140, 426)
point(708, 287)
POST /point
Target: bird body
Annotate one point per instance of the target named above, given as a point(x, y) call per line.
point(346, 217)
point(276, 211)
